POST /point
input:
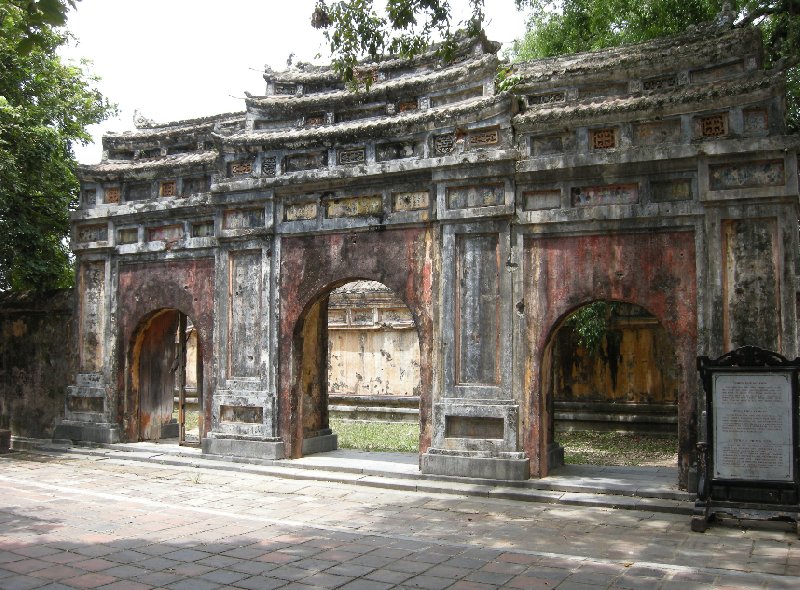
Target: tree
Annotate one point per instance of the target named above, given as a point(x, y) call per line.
point(587, 25)
point(45, 106)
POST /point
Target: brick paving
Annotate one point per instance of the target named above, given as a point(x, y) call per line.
point(86, 522)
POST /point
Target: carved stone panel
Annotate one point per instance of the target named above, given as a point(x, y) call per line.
point(243, 219)
point(747, 175)
point(244, 313)
point(477, 319)
point(93, 233)
point(139, 191)
point(165, 233)
point(548, 144)
point(444, 144)
point(351, 157)
point(656, 132)
point(127, 235)
point(679, 189)
point(308, 161)
point(93, 314)
point(203, 229)
point(542, 199)
point(756, 121)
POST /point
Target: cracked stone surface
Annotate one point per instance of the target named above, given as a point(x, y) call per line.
point(87, 522)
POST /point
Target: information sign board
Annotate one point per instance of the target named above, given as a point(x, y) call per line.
point(748, 450)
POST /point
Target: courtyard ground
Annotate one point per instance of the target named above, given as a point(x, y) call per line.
point(72, 521)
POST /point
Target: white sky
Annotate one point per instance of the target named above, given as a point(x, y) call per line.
point(178, 59)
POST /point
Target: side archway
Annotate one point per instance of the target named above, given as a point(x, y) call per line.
point(165, 380)
point(609, 366)
point(655, 270)
point(144, 290)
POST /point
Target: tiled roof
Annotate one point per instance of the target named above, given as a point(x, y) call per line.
point(403, 84)
point(171, 161)
point(366, 128)
point(682, 95)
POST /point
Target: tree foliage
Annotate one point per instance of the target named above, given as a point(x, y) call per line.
point(45, 106)
point(590, 325)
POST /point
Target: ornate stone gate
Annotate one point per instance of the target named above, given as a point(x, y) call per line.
point(655, 174)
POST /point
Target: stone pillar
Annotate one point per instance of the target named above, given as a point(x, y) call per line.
point(244, 409)
point(90, 409)
point(476, 417)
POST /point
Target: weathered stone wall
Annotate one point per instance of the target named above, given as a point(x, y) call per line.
point(634, 364)
point(37, 359)
point(373, 348)
point(653, 270)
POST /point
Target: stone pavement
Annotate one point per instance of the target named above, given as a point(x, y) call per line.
point(70, 521)
point(639, 488)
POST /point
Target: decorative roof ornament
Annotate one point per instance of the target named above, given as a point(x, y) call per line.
point(140, 121)
point(726, 15)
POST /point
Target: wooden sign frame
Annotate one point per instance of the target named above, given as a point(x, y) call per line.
point(749, 456)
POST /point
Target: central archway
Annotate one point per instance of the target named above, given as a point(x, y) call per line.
point(358, 341)
point(311, 267)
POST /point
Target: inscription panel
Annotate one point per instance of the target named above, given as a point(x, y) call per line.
point(410, 201)
point(241, 414)
point(473, 427)
point(477, 310)
point(753, 427)
point(85, 404)
point(464, 197)
point(244, 323)
point(355, 207)
point(611, 194)
point(300, 211)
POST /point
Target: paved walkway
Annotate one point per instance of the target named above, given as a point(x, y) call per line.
point(69, 521)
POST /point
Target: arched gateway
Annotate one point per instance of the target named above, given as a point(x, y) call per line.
point(657, 174)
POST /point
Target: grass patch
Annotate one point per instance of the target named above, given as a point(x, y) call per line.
point(191, 419)
point(597, 448)
point(615, 448)
point(384, 437)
